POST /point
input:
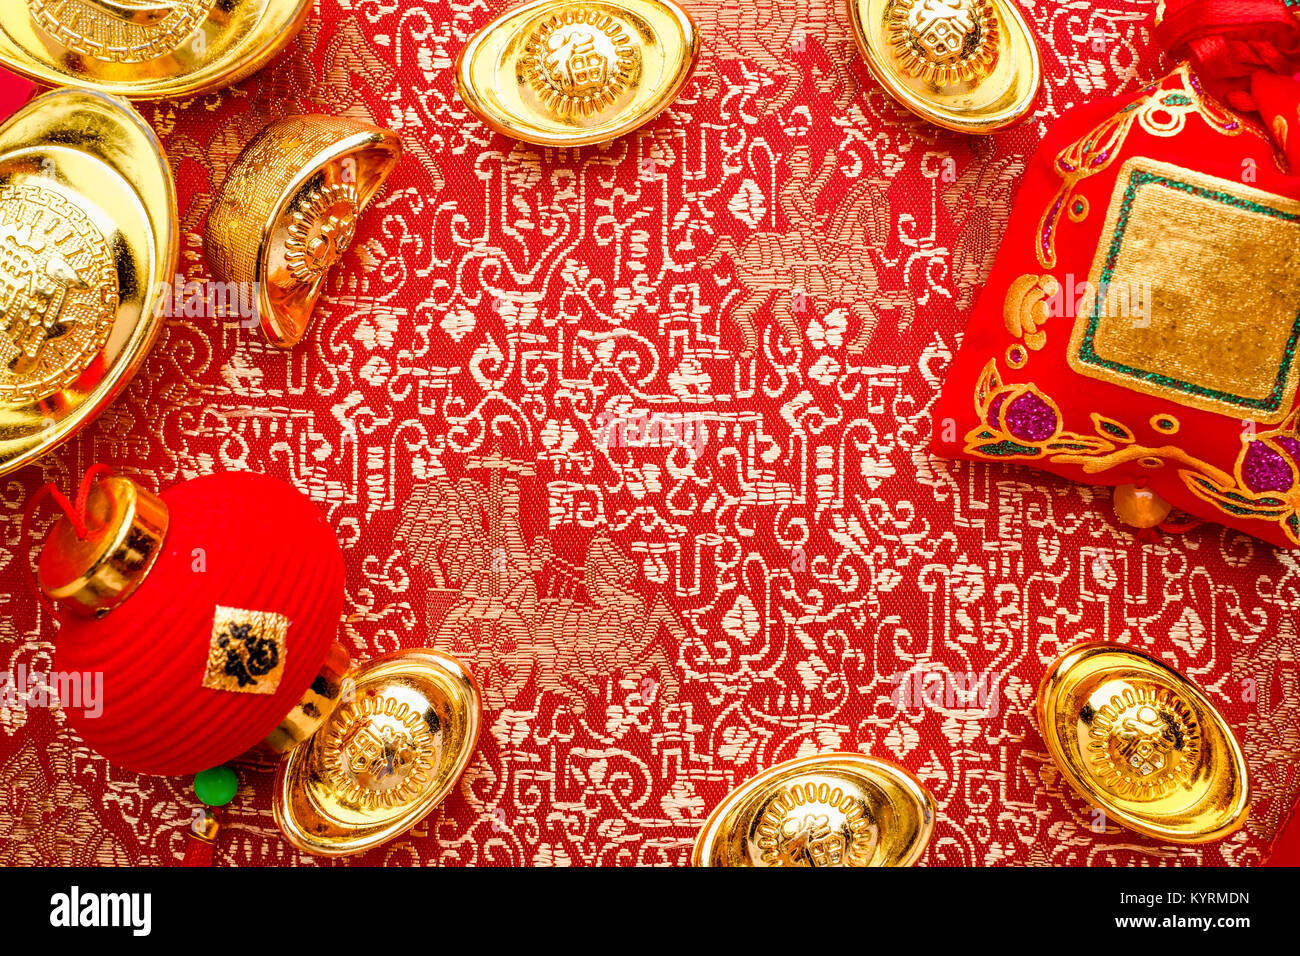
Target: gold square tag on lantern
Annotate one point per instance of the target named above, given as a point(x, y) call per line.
point(247, 651)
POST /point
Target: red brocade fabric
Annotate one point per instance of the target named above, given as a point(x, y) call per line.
point(717, 561)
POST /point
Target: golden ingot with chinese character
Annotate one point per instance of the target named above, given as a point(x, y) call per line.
point(88, 238)
point(389, 753)
point(569, 72)
point(288, 211)
point(1142, 743)
point(838, 809)
point(145, 49)
point(967, 65)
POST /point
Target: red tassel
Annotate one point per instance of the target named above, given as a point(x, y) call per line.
point(1277, 98)
point(202, 836)
point(75, 513)
point(199, 852)
point(1228, 41)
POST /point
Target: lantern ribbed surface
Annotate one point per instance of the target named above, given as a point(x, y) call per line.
point(235, 540)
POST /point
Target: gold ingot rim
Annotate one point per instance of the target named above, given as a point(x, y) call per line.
point(496, 52)
point(731, 835)
point(236, 41)
point(292, 164)
point(96, 157)
point(379, 765)
point(1200, 804)
point(998, 95)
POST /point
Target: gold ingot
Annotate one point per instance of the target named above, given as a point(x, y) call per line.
point(570, 72)
point(145, 49)
point(1141, 742)
point(88, 242)
point(966, 65)
point(388, 755)
point(289, 209)
point(837, 809)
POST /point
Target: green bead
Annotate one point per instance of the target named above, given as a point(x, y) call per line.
point(216, 787)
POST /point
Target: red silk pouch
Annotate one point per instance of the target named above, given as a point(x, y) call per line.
point(1141, 322)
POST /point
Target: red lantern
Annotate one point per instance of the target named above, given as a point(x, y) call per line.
point(210, 611)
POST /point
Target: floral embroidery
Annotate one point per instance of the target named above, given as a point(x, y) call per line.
point(1266, 479)
point(1161, 112)
point(1028, 305)
point(1019, 421)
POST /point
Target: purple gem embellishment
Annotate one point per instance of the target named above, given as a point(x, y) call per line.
point(995, 410)
point(1290, 447)
point(1030, 418)
point(1264, 469)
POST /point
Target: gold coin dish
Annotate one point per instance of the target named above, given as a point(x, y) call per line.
point(572, 72)
point(88, 245)
point(836, 809)
point(145, 49)
point(391, 751)
point(1140, 741)
point(966, 65)
point(288, 212)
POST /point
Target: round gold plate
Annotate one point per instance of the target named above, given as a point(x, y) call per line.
point(966, 65)
point(288, 211)
point(838, 809)
point(570, 72)
point(88, 240)
point(145, 49)
point(1137, 739)
point(389, 753)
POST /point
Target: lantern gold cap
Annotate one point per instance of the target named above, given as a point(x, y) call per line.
point(837, 809)
point(390, 752)
point(145, 49)
point(1145, 745)
point(288, 211)
point(571, 72)
point(966, 65)
point(126, 526)
point(89, 234)
point(316, 704)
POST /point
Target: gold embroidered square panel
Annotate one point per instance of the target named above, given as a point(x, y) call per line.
point(1194, 293)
